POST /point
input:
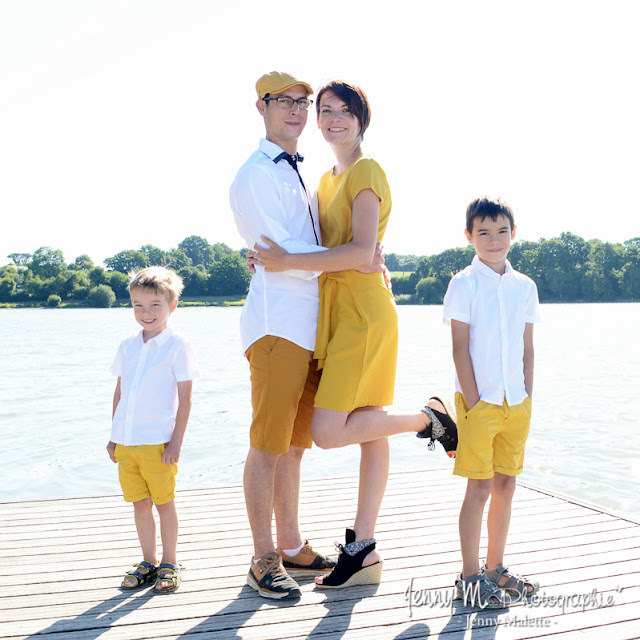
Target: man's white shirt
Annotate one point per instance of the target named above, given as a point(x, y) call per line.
point(268, 199)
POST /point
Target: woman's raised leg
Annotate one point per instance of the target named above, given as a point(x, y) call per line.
point(332, 429)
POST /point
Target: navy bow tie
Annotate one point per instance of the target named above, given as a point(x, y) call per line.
point(291, 159)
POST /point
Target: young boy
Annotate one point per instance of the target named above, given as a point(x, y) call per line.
point(151, 407)
point(491, 309)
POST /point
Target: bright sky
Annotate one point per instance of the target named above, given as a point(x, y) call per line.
point(123, 122)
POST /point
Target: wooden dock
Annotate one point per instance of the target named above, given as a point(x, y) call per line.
point(63, 561)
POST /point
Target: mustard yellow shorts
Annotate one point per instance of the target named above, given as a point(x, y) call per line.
point(284, 381)
point(491, 438)
point(143, 474)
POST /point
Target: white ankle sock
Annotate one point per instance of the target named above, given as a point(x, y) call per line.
point(293, 552)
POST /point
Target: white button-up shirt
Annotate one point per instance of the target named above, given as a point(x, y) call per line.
point(496, 308)
point(149, 372)
point(268, 199)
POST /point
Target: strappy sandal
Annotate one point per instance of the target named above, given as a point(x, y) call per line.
point(349, 571)
point(478, 591)
point(515, 585)
point(168, 572)
point(442, 428)
point(142, 577)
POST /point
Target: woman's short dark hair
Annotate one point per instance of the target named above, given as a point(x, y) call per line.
point(354, 97)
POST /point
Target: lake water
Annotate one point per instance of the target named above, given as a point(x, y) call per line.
point(56, 394)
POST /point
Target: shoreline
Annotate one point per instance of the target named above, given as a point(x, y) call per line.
point(238, 301)
point(122, 303)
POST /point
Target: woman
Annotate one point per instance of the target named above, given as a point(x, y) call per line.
point(357, 341)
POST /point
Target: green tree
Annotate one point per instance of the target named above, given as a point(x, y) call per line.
point(28, 285)
point(630, 272)
point(119, 282)
point(408, 262)
point(156, 256)
point(40, 289)
point(576, 246)
point(443, 266)
point(451, 261)
point(76, 285)
point(523, 257)
point(423, 267)
point(220, 250)
point(601, 282)
point(404, 285)
point(54, 301)
point(199, 251)
point(560, 262)
point(10, 270)
point(392, 262)
point(177, 258)
point(47, 263)
point(630, 281)
point(98, 275)
point(196, 281)
point(12, 288)
point(10, 278)
point(408, 265)
point(229, 276)
point(20, 259)
point(7, 288)
point(82, 263)
point(430, 290)
point(101, 296)
point(60, 283)
point(126, 261)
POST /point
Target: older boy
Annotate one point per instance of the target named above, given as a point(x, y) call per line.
point(151, 407)
point(491, 309)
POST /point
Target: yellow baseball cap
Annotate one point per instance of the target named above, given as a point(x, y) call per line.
point(277, 82)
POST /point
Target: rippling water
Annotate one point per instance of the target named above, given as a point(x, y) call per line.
point(56, 392)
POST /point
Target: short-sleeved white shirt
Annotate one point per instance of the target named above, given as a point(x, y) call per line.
point(496, 308)
point(268, 199)
point(149, 372)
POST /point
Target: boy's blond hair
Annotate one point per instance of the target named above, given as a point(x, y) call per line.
point(159, 279)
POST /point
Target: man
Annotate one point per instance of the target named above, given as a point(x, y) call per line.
point(278, 331)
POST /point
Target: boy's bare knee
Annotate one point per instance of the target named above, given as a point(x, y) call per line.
point(479, 489)
point(504, 485)
point(166, 506)
point(143, 505)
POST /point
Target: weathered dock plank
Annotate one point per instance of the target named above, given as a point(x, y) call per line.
point(64, 559)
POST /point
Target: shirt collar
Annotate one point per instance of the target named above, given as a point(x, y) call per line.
point(270, 149)
point(488, 271)
point(159, 340)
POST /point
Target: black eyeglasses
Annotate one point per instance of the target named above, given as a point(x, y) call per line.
point(286, 103)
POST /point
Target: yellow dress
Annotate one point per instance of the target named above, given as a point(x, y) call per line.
point(357, 341)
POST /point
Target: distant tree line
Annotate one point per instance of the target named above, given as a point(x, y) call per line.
point(565, 269)
point(45, 277)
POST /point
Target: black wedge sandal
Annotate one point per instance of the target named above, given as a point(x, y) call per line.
point(349, 571)
point(442, 428)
